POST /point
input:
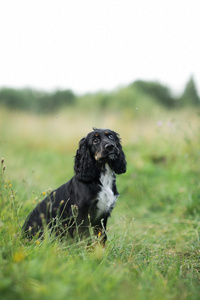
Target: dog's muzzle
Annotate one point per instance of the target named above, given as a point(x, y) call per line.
point(110, 151)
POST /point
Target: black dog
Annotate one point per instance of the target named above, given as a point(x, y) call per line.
point(88, 198)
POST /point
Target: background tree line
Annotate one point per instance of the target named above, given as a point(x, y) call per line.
point(145, 92)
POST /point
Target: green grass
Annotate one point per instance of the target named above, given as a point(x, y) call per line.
point(153, 249)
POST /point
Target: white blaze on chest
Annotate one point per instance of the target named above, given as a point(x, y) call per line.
point(106, 198)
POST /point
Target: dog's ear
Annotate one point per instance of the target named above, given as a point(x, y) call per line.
point(119, 164)
point(84, 167)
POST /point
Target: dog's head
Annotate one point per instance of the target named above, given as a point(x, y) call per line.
point(99, 147)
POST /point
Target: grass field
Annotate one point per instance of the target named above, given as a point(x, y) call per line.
point(153, 249)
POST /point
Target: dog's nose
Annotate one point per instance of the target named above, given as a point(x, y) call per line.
point(109, 147)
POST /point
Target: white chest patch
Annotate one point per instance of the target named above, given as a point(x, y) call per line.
point(106, 198)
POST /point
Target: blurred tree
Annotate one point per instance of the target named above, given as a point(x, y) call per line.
point(156, 91)
point(35, 101)
point(51, 102)
point(190, 95)
point(14, 98)
point(63, 97)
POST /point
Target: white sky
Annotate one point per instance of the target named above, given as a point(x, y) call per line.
point(89, 45)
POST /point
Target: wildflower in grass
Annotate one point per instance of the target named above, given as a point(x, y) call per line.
point(18, 256)
point(10, 185)
point(160, 123)
point(5, 186)
point(37, 242)
point(43, 193)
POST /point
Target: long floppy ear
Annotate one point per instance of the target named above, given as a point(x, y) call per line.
point(84, 166)
point(119, 164)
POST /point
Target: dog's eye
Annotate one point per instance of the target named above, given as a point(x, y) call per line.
point(111, 136)
point(95, 140)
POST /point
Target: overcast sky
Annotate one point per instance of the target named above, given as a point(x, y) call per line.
point(89, 45)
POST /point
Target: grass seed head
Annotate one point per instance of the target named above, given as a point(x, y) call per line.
point(42, 216)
